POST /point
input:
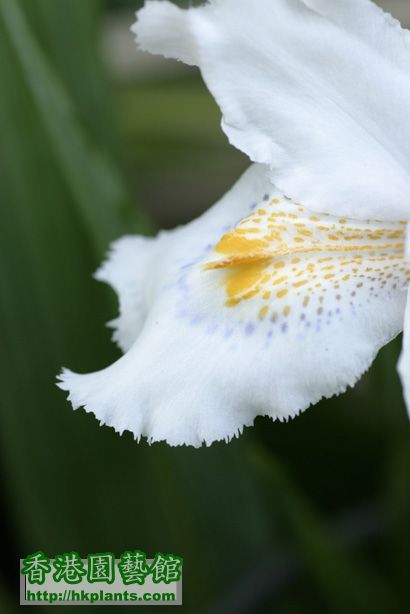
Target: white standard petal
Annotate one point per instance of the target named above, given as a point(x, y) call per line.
point(259, 307)
point(319, 90)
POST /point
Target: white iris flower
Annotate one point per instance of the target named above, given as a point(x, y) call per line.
point(285, 290)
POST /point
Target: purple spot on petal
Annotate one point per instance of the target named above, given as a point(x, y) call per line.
point(284, 328)
point(250, 328)
point(266, 197)
point(252, 207)
point(270, 334)
point(188, 265)
point(228, 333)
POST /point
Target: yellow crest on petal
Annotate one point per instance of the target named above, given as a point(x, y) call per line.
point(281, 250)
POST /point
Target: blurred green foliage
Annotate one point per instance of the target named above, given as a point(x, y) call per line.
point(171, 132)
point(309, 516)
point(120, 5)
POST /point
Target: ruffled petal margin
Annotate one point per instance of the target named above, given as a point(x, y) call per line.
point(201, 366)
point(403, 366)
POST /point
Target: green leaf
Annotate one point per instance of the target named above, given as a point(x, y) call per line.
point(343, 580)
point(94, 182)
point(71, 484)
point(398, 513)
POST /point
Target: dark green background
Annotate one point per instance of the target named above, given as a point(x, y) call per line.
point(308, 516)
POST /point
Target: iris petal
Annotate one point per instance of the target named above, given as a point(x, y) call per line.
point(234, 330)
point(317, 90)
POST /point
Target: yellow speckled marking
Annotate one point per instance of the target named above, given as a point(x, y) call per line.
point(282, 247)
point(263, 312)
